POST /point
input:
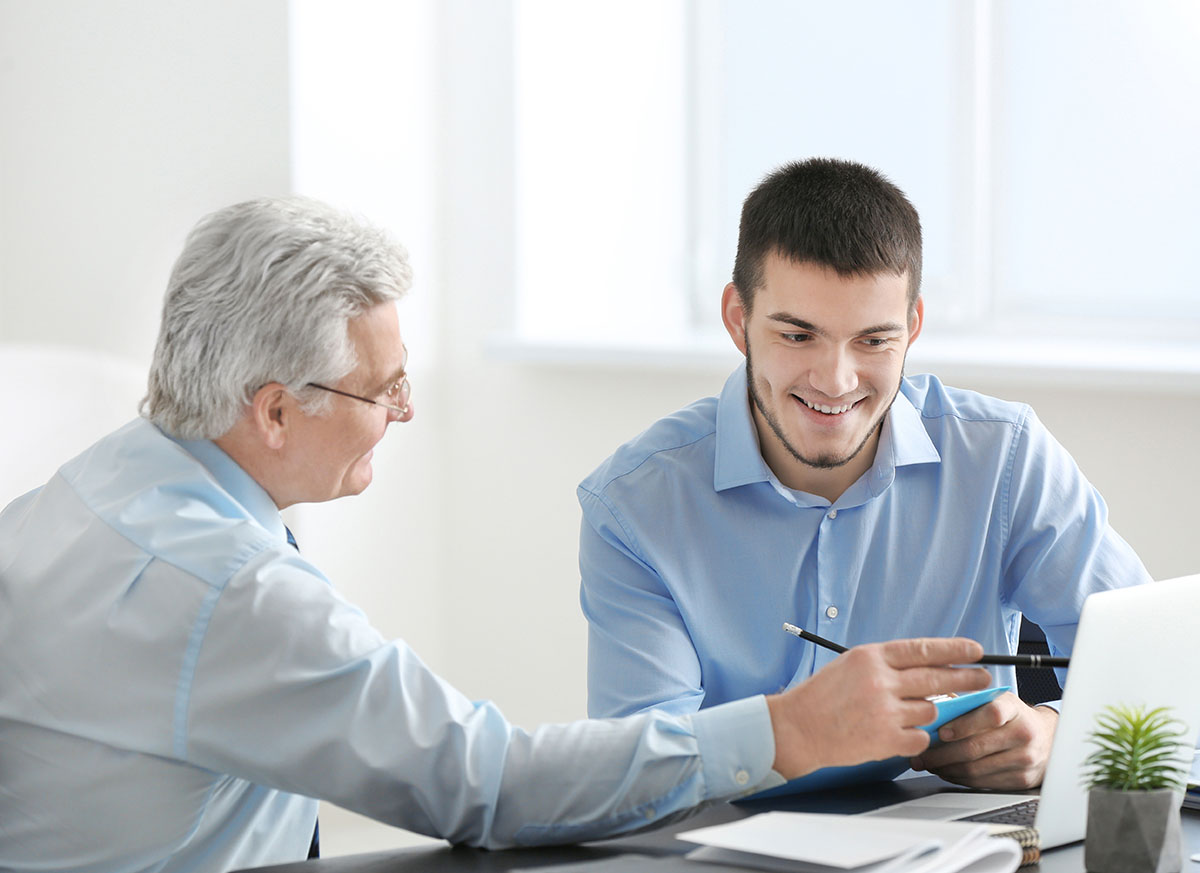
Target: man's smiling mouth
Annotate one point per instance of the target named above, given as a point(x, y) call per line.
point(827, 410)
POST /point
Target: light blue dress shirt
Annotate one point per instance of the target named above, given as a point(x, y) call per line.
point(177, 683)
point(693, 554)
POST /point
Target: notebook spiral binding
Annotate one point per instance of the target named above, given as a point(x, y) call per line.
point(1028, 840)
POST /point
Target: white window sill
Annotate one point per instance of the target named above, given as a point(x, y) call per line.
point(1171, 367)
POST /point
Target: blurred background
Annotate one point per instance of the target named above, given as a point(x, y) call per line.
point(567, 178)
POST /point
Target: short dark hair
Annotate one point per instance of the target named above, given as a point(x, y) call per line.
point(839, 214)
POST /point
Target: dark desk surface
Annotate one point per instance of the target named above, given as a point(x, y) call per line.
point(658, 851)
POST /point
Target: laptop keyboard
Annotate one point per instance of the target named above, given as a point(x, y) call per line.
point(1018, 814)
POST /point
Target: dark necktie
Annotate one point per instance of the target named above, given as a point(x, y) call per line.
point(314, 848)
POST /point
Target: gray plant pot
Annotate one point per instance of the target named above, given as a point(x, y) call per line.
point(1133, 832)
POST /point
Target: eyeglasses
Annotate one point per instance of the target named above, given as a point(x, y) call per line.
point(397, 394)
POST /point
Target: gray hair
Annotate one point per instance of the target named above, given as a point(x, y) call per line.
point(263, 292)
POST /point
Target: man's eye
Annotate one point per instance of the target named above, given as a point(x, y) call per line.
point(797, 337)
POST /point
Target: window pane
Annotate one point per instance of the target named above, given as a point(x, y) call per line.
point(600, 169)
point(1097, 177)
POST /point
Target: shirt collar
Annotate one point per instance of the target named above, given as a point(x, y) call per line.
point(739, 459)
point(239, 484)
point(903, 440)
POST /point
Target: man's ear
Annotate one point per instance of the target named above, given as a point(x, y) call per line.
point(916, 320)
point(734, 316)
point(272, 410)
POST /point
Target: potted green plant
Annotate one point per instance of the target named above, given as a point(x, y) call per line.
point(1135, 779)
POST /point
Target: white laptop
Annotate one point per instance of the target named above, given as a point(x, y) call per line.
point(1134, 646)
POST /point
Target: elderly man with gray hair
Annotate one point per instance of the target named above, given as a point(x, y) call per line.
point(178, 684)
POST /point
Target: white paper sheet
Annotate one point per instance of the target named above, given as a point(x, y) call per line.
point(808, 841)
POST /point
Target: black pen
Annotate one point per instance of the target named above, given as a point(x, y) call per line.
point(1033, 661)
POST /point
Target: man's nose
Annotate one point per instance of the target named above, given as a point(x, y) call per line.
point(397, 415)
point(834, 375)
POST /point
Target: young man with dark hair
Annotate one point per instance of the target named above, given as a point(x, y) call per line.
point(825, 488)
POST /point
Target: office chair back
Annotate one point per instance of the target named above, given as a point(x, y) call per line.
point(1035, 686)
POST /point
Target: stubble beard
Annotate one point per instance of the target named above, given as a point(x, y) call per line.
point(818, 462)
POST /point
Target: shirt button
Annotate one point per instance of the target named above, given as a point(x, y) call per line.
point(741, 777)
point(832, 513)
point(831, 612)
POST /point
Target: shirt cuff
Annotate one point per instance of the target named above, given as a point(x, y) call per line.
point(737, 748)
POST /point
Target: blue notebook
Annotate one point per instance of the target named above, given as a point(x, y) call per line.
point(882, 771)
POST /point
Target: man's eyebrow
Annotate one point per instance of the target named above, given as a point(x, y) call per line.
point(785, 318)
point(388, 382)
point(394, 378)
point(796, 322)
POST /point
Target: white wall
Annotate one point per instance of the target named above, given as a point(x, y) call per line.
point(122, 123)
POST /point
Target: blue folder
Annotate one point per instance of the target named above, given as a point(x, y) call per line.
point(882, 771)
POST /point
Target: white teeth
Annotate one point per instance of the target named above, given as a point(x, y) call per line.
point(827, 410)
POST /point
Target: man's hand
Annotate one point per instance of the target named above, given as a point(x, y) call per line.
point(868, 704)
point(1003, 744)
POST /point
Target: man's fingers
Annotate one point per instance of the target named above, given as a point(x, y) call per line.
point(988, 717)
point(916, 713)
point(927, 681)
point(1012, 755)
point(973, 748)
point(1009, 769)
point(931, 652)
point(922, 670)
point(912, 741)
